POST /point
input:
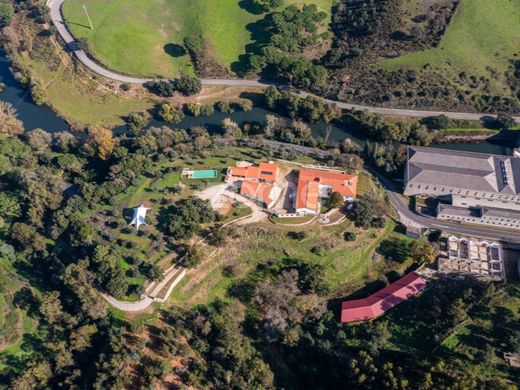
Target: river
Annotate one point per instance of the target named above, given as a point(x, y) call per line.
point(34, 116)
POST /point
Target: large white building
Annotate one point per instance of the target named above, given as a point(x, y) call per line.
point(480, 188)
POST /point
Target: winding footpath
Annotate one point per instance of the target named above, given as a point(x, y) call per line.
point(57, 20)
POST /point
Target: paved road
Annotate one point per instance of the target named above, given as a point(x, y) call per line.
point(411, 217)
point(57, 19)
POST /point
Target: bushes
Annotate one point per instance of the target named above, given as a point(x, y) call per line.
point(366, 214)
point(224, 106)
point(349, 236)
point(161, 88)
point(188, 85)
point(169, 113)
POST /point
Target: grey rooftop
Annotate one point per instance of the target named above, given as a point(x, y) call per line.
point(463, 170)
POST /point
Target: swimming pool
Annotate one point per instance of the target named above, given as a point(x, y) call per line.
point(204, 174)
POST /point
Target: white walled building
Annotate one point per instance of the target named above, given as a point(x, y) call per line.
point(468, 179)
point(475, 188)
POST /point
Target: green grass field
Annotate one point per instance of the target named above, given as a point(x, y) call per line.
point(482, 37)
point(136, 37)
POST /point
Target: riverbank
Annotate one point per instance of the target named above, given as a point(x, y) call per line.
point(83, 99)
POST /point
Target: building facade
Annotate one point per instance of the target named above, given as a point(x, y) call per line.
point(315, 185)
point(474, 187)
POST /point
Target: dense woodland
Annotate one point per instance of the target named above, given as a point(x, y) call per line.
point(277, 326)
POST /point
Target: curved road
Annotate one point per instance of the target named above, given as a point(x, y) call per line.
point(57, 19)
point(408, 217)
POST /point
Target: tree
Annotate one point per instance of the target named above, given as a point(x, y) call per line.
point(51, 308)
point(267, 5)
point(9, 123)
point(39, 140)
point(362, 213)
point(231, 129)
point(103, 142)
point(83, 44)
point(396, 249)
point(168, 113)
point(63, 141)
point(335, 200)
point(184, 218)
point(136, 121)
point(81, 338)
point(194, 255)
point(275, 302)
point(423, 252)
point(438, 122)
point(5, 165)
point(9, 205)
point(161, 88)
point(505, 121)
point(349, 236)
point(188, 85)
point(224, 106)
point(6, 14)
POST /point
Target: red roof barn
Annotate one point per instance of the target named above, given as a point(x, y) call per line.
point(383, 300)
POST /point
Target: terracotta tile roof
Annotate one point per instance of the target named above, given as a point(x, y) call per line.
point(383, 300)
point(310, 180)
point(259, 191)
point(264, 171)
point(308, 196)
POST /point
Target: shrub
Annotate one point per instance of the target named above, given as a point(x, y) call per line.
point(188, 85)
point(161, 88)
point(169, 113)
point(207, 110)
point(349, 236)
point(224, 106)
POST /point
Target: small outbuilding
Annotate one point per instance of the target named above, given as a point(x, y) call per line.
point(383, 300)
point(139, 217)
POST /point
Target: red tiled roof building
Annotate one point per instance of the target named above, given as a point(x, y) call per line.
point(383, 300)
point(315, 184)
point(265, 171)
point(262, 192)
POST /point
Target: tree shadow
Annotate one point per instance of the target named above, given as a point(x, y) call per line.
point(175, 50)
point(251, 7)
point(259, 34)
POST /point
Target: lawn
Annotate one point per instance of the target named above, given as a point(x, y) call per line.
point(143, 37)
point(481, 39)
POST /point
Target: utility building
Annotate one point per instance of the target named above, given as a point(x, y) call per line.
point(473, 187)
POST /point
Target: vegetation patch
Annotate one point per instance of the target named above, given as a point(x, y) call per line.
point(148, 37)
